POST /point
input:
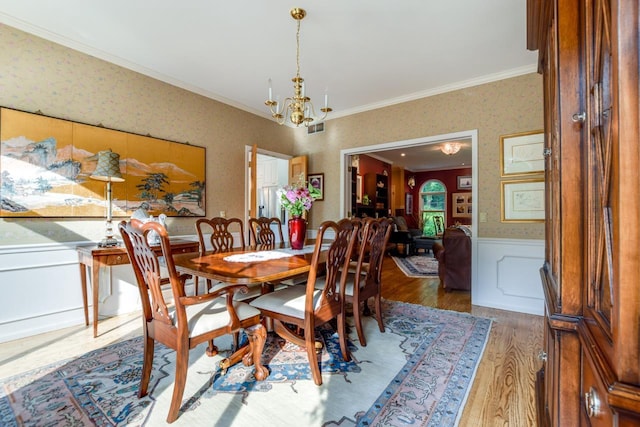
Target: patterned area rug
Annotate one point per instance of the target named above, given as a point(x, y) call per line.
point(418, 372)
point(417, 265)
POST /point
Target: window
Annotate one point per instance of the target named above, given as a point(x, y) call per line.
point(433, 202)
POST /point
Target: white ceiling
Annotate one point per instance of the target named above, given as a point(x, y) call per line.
point(365, 55)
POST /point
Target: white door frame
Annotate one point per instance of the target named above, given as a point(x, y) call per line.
point(345, 185)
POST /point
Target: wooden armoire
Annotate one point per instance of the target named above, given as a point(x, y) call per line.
point(589, 58)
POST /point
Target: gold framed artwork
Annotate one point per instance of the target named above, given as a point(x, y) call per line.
point(523, 200)
point(522, 153)
point(46, 164)
point(461, 205)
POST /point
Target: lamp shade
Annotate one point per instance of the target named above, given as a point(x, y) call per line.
point(108, 168)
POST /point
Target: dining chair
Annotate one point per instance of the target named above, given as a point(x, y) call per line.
point(365, 281)
point(192, 320)
point(306, 307)
point(266, 232)
point(217, 235)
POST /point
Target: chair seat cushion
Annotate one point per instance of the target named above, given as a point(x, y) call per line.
point(289, 301)
point(212, 315)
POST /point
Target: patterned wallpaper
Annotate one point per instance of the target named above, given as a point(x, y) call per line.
point(37, 75)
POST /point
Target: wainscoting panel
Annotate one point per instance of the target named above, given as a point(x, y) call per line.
point(507, 275)
point(40, 284)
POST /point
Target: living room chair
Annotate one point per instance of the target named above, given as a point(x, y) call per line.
point(306, 307)
point(404, 235)
point(366, 280)
point(454, 258)
point(192, 320)
point(263, 234)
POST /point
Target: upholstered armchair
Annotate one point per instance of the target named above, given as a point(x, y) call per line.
point(403, 235)
point(454, 258)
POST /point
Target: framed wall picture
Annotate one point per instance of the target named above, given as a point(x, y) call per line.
point(46, 165)
point(408, 203)
point(316, 180)
point(523, 201)
point(522, 153)
point(464, 182)
point(461, 206)
point(359, 189)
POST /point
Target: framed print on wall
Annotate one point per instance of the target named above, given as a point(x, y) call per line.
point(359, 189)
point(46, 165)
point(522, 153)
point(464, 183)
point(408, 203)
point(523, 201)
point(461, 205)
point(316, 180)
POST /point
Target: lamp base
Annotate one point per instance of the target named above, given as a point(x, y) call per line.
point(108, 242)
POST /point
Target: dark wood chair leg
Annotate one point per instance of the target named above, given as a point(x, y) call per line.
point(182, 363)
point(147, 365)
point(310, 345)
point(358, 321)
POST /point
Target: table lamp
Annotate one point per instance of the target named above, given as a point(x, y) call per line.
point(108, 169)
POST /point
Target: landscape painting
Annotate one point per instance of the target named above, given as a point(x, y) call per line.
point(46, 164)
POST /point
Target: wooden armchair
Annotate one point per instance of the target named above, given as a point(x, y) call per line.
point(306, 307)
point(193, 320)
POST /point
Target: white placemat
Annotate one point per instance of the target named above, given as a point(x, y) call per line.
point(305, 250)
point(257, 256)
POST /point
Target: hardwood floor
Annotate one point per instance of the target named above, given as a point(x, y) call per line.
point(502, 393)
point(503, 390)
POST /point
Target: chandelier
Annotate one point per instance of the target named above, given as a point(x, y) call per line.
point(450, 148)
point(297, 109)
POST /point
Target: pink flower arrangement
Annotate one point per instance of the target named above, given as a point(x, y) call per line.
point(298, 198)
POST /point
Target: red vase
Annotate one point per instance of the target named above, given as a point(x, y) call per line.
point(297, 232)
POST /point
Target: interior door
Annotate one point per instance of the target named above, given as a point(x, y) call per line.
point(297, 167)
point(253, 167)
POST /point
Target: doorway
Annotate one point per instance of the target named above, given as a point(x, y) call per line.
point(472, 135)
point(272, 173)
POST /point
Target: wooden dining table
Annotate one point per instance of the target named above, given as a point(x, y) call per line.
point(257, 270)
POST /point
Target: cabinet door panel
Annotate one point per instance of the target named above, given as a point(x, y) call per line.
point(599, 294)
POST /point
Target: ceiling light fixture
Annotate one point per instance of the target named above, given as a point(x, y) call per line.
point(298, 109)
point(450, 148)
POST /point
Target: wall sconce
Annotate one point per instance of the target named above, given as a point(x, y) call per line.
point(411, 182)
point(108, 170)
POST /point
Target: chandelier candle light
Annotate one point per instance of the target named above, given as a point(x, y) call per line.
point(108, 169)
point(297, 109)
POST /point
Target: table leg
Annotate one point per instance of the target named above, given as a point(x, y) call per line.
point(83, 285)
point(95, 290)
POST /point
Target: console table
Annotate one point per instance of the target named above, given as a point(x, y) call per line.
point(95, 257)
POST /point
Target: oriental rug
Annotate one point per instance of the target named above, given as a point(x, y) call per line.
point(418, 372)
point(418, 266)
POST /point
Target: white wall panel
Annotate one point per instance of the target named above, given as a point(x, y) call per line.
point(508, 275)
